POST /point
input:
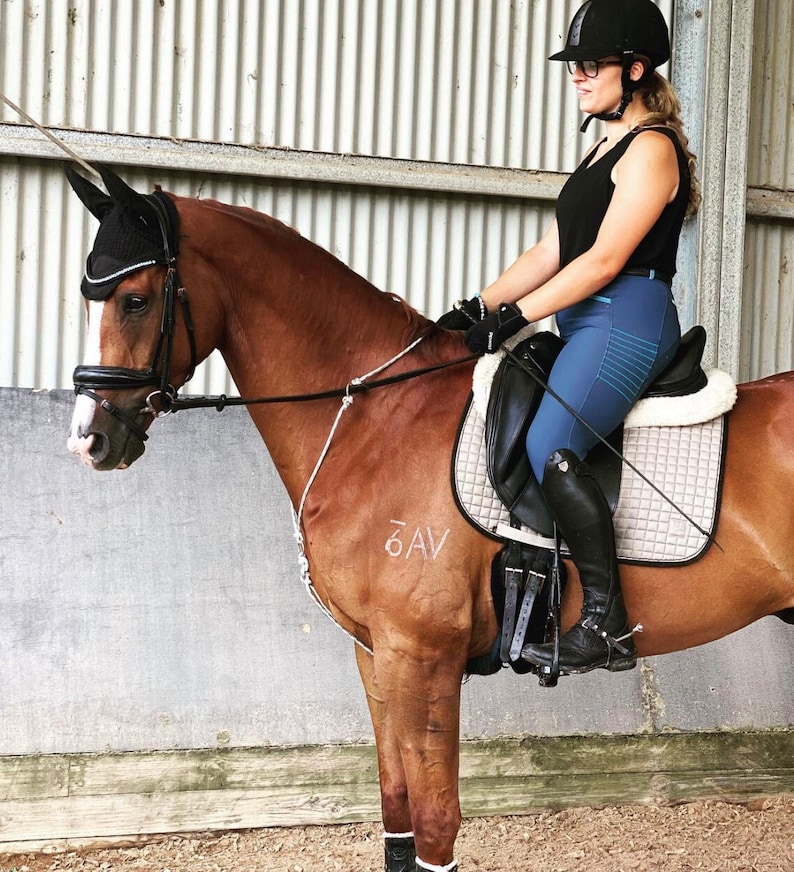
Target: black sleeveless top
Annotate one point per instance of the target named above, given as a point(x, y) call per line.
point(585, 198)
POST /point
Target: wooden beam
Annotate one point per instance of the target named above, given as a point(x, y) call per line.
point(169, 155)
point(54, 800)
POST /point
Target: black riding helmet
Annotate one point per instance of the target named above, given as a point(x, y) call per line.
point(625, 27)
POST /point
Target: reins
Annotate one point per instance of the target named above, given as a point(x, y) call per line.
point(356, 386)
point(89, 379)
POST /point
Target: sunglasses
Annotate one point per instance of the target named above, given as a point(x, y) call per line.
point(590, 68)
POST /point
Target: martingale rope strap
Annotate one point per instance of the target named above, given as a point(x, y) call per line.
point(297, 516)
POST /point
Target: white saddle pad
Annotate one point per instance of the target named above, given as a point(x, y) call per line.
point(683, 462)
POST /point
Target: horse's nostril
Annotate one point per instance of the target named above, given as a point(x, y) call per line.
point(100, 447)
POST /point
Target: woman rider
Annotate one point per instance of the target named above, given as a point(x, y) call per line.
point(604, 268)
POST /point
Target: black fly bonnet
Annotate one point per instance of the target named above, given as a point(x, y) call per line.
point(135, 232)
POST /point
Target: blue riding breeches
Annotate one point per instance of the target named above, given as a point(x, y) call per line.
point(616, 342)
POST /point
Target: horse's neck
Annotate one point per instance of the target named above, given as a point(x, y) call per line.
point(299, 322)
point(300, 309)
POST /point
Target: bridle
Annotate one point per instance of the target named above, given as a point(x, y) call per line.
point(89, 379)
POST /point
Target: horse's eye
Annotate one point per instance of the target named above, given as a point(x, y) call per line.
point(134, 303)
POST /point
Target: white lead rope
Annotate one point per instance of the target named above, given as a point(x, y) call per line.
point(59, 142)
point(297, 516)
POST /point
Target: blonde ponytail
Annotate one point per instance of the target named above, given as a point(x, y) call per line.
point(664, 109)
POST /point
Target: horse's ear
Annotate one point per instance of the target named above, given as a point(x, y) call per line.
point(137, 207)
point(121, 193)
point(96, 201)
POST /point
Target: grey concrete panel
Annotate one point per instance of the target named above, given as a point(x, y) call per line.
point(161, 607)
point(742, 681)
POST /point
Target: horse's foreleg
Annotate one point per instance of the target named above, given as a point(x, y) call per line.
point(393, 786)
point(419, 703)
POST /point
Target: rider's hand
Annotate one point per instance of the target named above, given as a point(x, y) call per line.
point(464, 313)
point(486, 336)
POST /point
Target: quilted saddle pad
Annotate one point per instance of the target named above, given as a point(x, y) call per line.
point(685, 463)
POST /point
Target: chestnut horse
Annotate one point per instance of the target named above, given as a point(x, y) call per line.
point(290, 319)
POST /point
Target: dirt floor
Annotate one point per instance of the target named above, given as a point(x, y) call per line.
point(714, 836)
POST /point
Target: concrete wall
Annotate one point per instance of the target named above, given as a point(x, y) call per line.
point(160, 607)
point(159, 612)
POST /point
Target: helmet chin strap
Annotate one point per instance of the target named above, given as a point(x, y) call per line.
point(629, 87)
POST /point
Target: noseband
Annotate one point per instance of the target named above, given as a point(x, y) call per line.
point(89, 379)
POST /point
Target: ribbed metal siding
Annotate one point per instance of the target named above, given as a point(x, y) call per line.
point(459, 81)
point(426, 249)
point(444, 80)
point(42, 254)
point(768, 299)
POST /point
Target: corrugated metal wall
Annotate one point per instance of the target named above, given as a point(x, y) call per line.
point(453, 81)
point(768, 298)
point(444, 81)
point(426, 248)
point(447, 80)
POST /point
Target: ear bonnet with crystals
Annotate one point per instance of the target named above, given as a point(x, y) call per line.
point(135, 231)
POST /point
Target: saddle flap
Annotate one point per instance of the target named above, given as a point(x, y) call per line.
point(514, 399)
point(512, 404)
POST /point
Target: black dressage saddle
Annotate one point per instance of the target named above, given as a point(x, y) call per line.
point(514, 399)
point(527, 580)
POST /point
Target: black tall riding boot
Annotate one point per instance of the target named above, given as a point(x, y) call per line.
point(601, 638)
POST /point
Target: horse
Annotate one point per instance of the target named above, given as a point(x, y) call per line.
point(292, 320)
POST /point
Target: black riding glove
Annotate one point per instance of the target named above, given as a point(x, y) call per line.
point(464, 313)
point(491, 332)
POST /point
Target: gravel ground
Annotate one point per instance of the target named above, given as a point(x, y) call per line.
point(713, 836)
